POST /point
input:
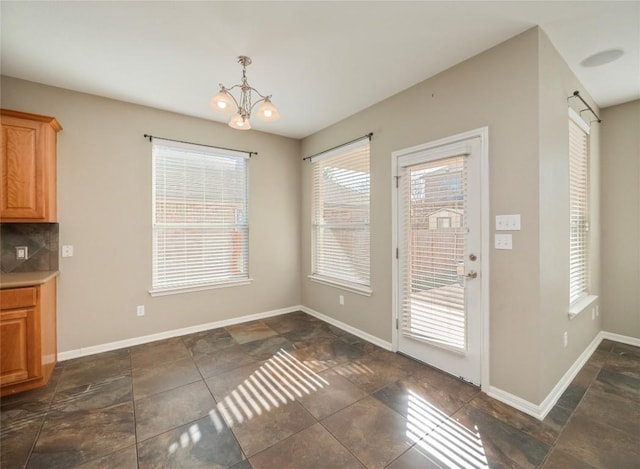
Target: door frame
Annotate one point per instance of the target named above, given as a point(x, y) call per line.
point(485, 232)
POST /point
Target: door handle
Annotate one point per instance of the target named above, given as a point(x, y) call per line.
point(471, 274)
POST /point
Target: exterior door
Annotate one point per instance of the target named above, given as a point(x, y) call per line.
point(439, 263)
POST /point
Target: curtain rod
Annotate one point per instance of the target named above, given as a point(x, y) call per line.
point(250, 153)
point(576, 94)
point(369, 135)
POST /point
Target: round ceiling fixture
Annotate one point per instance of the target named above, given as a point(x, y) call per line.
point(602, 58)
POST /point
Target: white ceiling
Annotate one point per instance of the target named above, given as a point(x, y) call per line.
point(321, 61)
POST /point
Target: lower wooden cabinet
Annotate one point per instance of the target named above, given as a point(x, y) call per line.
point(28, 345)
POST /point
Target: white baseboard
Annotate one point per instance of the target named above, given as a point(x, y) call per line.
point(541, 410)
point(538, 411)
point(81, 352)
point(346, 327)
point(625, 339)
point(514, 401)
point(565, 381)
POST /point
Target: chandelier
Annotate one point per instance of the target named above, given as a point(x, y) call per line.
point(223, 101)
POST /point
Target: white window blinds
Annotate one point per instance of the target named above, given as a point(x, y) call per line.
point(434, 234)
point(340, 220)
point(579, 210)
point(200, 225)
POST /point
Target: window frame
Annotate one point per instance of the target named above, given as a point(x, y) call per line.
point(583, 299)
point(319, 277)
point(162, 288)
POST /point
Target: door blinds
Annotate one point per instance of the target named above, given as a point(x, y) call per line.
point(579, 211)
point(434, 230)
point(340, 224)
point(200, 227)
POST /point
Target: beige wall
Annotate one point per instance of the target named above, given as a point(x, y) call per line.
point(518, 89)
point(498, 89)
point(104, 200)
point(620, 206)
point(557, 82)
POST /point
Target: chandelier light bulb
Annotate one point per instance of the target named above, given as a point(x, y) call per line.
point(240, 123)
point(268, 112)
point(222, 102)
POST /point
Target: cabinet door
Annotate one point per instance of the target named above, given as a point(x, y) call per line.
point(22, 165)
point(18, 343)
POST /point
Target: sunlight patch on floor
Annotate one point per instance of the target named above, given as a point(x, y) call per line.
point(276, 382)
point(448, 442)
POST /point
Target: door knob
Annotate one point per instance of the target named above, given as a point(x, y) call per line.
point(472, 274)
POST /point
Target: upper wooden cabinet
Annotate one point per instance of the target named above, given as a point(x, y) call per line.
point(28, 167)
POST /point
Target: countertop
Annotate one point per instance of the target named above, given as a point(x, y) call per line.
point(26, 279)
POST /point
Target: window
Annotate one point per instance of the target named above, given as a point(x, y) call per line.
point(578, 208)
point(200, 227)
point(340, 217)
point(444, 222)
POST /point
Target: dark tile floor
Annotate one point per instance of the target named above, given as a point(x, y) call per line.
point(292, 391)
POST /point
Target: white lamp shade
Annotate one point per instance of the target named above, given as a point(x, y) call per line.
point(268, 112)
point(239, 122)
point(222, 102)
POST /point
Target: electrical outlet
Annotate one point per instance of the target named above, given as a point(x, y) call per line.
point(22, 252)
point(140, 310)
point(341, 299)
point(565, 339)
point(67, 251)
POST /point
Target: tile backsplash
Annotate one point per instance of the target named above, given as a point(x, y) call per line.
point(41, 239)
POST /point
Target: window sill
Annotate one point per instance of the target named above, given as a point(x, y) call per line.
point(580, 305)
point(176, 291)
point(352, 287)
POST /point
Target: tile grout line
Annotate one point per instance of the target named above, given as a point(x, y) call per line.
point(294, 401)
point(135, 444)
point(371, 394)
point(336, 337)
point(336, 438)
point(288, 437)
point(204, 381)
point(44, 418)
point(572, 414)
point(133, 404)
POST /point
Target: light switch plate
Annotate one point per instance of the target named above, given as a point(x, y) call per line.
point(508, 222)
point(67, 251)
point(503, 241)
point(513, 222)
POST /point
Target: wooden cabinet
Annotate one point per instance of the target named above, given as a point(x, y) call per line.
point(28, 345)
point(19, 330)
point(28, 167)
